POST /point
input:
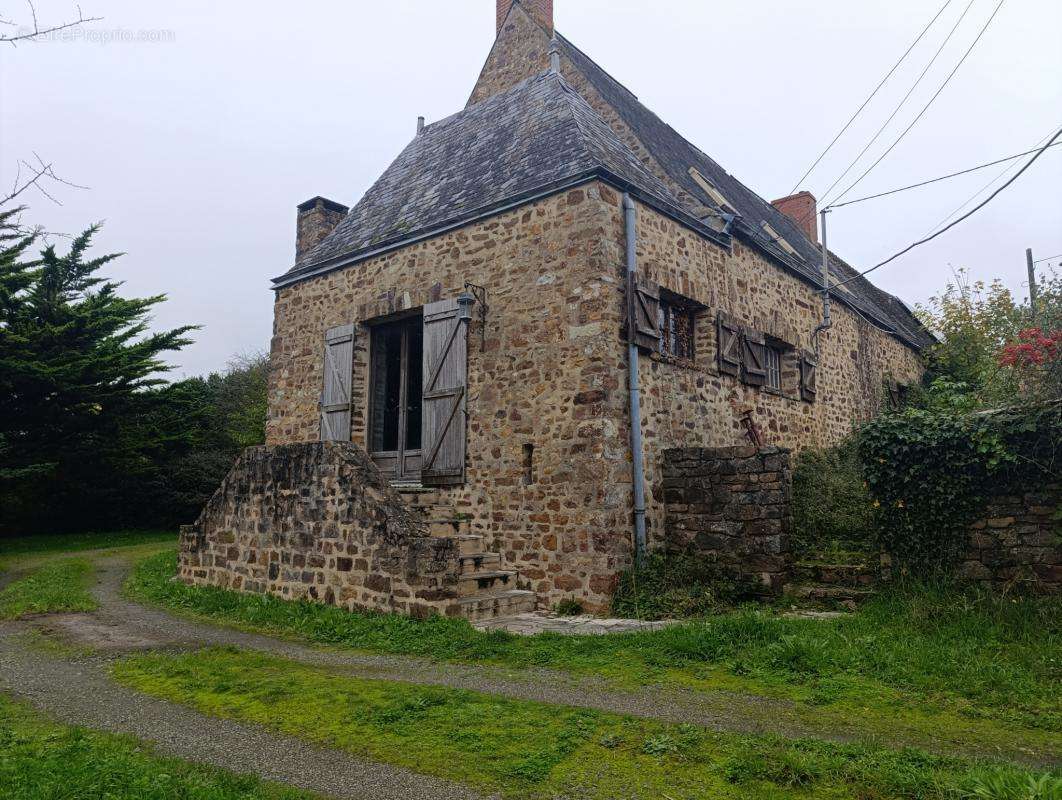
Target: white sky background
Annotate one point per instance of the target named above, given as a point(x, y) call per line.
point(198, 149)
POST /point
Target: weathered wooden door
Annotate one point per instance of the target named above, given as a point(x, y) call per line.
point(335, 394)
point(445, 379)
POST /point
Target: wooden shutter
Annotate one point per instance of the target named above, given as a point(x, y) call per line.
point(753, 357)
point(643, 317)
point(808, 368)
point(445, 378)
point(728, 342)
point(335, 395)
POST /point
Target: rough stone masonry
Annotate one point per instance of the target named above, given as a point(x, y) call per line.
point(318, 521)
point(731, 504)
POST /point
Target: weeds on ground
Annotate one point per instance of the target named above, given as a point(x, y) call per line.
point(676, 586)
point(569, 607)
point(528, 749)
point(39, 759)
point(57, 586)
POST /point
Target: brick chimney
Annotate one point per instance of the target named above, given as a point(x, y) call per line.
point(802, 209)
point(540, 10)
point(317, 217)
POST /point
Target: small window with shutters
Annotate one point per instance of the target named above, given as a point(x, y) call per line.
point(335, 392)
point(676, 322)
point(774, 368)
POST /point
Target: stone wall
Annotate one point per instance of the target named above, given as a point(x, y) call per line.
point(319, 522)
point(545, 372)
point(1018, 540)
point(691, 402)
point(731, 504)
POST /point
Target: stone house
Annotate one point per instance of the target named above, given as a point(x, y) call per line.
point(472, 321)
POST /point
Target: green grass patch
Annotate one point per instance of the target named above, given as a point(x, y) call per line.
point(524, 749)
point(74, 542)
point(40, 759)
point(60, 585)
point(928, 656)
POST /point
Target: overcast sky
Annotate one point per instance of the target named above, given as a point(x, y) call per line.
point(198, 143)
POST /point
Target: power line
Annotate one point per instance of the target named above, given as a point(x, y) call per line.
point(1049, 258)
point(983, 189)
point(877, 88)
point(967, 215)
point(937, 180)
point(927, 105)
point(902, 102)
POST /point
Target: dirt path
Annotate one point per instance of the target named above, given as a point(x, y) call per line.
point(121, 626)
point(81, 693)
point(9, 577)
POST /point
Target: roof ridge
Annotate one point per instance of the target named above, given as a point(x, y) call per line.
point(587, 56)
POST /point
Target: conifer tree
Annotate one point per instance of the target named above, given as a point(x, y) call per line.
point(74, 356)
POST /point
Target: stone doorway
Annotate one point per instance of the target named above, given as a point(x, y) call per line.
point(395, 398)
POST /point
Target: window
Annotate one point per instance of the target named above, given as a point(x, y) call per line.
point(710, 190)
point(777, 239)
point(676, 330)
point(773, 364)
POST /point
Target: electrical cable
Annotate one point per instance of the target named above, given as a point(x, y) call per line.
point(902, 102)
point(877, 88)
point(941, 178)
point(1049, 258)
point(927, 105)
point(983, 189)
point(967, 215)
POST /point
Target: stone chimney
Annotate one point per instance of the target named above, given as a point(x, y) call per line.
point(540, 10)
point(317, 217)
point(802, 209)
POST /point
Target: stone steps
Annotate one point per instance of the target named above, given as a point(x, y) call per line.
point(469, 545)
point(479, 560)
point(483, 581)
point(449, 526)
point(833, 596)
point(486, 590)
point(854, 576)
point(494, 604)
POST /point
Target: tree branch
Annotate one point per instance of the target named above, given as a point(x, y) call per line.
point(36, 32)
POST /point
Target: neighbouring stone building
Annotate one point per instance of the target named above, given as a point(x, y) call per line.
point(465, 324)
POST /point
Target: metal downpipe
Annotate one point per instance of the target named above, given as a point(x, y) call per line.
point(637, 458)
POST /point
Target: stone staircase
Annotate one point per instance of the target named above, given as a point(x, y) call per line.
point(486, 589)
point(834, 578)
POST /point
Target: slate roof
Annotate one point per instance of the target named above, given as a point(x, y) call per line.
point(537, 135)
point(676, 155)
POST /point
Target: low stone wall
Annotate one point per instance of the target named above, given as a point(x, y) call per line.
point(731, 504)
point(318, 521)
point(1018, 540)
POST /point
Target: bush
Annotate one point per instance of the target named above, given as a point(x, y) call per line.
point(931, 473)
point(830, 501)
point(676, 585)
point(569, 607)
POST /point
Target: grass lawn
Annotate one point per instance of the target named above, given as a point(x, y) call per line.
point(59, 585)
point(931, 658)
point(40, 759)
point(71, 542)
point(529, 750)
